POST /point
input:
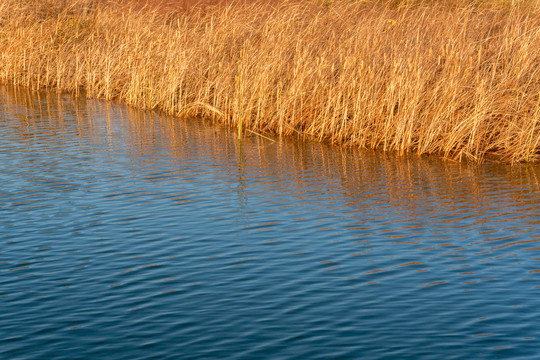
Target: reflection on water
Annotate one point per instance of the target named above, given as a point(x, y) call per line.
point(126, 234)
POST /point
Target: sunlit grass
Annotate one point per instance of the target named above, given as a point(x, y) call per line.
point(459, 78)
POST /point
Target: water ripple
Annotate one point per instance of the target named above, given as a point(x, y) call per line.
point(124, 234)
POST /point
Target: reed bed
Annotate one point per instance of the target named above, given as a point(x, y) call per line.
point(459, 78)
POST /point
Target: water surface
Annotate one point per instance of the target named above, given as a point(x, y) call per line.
point(130, 235)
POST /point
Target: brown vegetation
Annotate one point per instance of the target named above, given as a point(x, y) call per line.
point(460, 78)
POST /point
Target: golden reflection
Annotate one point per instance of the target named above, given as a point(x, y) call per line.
point(332, 267)
point(375, 271)
point(405, 178)
point(515, 243)
point(411, 263)
point(360, 253)
point(362, 179)
point(434, 283)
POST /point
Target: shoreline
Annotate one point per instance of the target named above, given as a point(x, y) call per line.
point(458, 81)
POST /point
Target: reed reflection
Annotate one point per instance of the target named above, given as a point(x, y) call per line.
point(410, 197)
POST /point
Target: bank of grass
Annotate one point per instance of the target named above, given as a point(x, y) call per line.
point(459, 78)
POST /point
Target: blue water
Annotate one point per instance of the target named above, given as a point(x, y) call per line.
point(130, 235)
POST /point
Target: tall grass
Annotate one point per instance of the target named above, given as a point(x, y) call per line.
point(459, 78)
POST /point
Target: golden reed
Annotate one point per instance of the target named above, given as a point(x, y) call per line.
point(459, 78)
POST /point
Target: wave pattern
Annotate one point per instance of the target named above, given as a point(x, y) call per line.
point(127, 235)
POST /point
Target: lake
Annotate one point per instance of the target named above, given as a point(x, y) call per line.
point(132, 235)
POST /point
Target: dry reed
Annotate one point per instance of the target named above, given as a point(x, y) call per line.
point(460, 78)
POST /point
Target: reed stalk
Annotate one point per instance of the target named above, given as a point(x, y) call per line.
point(458, 78)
